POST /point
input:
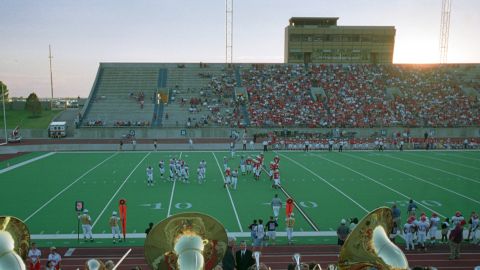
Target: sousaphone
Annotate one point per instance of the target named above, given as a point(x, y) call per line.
point(186, 241)
point(13, 254)
point(369, 247)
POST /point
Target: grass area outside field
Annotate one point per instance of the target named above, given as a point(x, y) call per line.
point(23, 119)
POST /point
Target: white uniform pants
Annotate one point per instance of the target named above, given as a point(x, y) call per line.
point(276, 209)
point(116, 232)
point(234, 182)
point(87, 230)
point(409, 241)
point(289, 234)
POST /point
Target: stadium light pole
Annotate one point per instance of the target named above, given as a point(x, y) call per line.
point(4, 114)
point(51, 76)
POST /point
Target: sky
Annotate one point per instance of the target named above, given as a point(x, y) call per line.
point(84, 33)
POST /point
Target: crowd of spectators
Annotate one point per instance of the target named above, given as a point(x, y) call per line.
point(358, 96)
point(94, 123)
point(280, 96)
point(143, 123)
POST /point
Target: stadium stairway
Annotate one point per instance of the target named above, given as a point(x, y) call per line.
point(186, 83)
point(115, 94)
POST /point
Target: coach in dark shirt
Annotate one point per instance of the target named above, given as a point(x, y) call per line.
point(228, 261)
point(244, 257)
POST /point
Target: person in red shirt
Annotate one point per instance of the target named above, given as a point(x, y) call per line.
point(455, 239)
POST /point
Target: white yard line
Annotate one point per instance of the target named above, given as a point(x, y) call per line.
point(309, 221)
point(464, 157)
point(67, 187)
point(328, 183)
point(118, 189)
point(173, 190)
point(452, 162)
point(436, 169)
point(229, 195)
point(26, 162)
point(371, 179)
point(416, 177)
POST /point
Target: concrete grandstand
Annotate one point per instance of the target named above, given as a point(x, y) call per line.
point(192, 95)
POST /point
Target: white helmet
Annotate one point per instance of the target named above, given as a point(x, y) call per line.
point(114, 213)
point(85, 211)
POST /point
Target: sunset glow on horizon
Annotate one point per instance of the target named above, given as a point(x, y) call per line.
point(83, 34)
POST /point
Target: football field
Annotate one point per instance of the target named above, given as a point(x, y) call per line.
point(42, 188)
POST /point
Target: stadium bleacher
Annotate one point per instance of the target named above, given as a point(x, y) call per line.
point(280, 95)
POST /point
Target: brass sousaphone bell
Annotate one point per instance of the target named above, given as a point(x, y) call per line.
point(13, 255)
point(369, 247)
point(186, 241)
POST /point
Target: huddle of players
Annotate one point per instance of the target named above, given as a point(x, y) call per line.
point(178, 170)
point(429, 226)
point(251, 166)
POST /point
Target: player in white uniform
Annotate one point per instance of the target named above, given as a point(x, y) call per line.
point(113, 222)
point(409, 229)
point(86, 222)
point(434, 222)
point(276, 179)
point(457, 218)
point(276, 205)
point(203, 164)
point(171, 166)
point(232, 149)
point(422, 230)
point(225, 163)
point(234, 178)
point(242, 166)
point(161, 167)
point(186, 173)
point(149, 176)
point(472, 232)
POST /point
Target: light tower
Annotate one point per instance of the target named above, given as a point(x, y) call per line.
point(51, 75)
point(228, 32)
point(444, 30)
